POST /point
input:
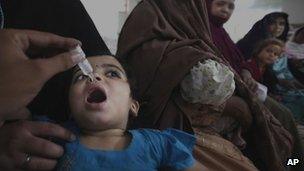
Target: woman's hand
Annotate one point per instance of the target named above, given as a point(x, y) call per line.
point(22, 139)
point(251, 83)
point(22, 77)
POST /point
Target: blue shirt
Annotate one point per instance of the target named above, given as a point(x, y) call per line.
point(149, 150)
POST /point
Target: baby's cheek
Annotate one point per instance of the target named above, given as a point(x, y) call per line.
point(75, 98)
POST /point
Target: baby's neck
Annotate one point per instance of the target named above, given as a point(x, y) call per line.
point(104, 133)
point(111, 139)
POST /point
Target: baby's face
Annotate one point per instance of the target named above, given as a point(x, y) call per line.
point(270, 54)
point(104, 103)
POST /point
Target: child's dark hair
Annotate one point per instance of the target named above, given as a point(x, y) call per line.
point(261, 45)
point(297, 32)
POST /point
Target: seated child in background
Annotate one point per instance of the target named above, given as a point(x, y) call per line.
point(295, 52)
point(266, 67)
point(101, 109)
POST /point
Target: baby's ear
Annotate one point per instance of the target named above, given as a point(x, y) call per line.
point(134, 108)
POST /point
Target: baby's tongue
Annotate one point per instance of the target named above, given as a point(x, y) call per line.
point(97, 96)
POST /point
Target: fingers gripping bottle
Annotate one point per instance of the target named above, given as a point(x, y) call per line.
point(84, 65)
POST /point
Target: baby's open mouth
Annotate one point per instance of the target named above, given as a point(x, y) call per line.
point(97, 96)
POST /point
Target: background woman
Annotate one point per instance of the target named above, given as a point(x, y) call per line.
point(295, 51)
point(163, 46)
point(273, 25)
point(220, 12)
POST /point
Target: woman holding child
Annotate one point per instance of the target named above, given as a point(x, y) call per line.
point(264, 67)
point(280, 80)
point(272, 25)
point(170, 47)
point(219, 12)
point(284, 85)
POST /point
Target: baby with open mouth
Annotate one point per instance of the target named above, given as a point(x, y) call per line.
point(101, 109)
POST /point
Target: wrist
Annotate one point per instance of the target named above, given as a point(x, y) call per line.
point(246, 73)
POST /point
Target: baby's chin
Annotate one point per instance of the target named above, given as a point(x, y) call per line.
point(94, 122)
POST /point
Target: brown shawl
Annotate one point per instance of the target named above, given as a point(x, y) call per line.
point(162, 40)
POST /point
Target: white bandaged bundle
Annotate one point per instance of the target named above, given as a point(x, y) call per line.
point(209, 83)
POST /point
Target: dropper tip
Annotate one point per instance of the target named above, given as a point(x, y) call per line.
point(92, 78)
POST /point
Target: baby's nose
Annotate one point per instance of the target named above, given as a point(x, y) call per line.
point(97, 77)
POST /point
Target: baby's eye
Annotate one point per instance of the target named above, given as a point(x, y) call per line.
point(113, 74)
point(80, 77)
